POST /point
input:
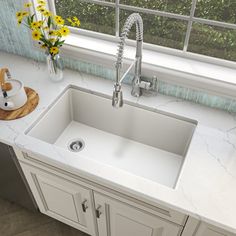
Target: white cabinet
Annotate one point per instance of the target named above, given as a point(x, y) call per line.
point(116, 218)
point(210, 230)
point(99, 211)
point(62, 199)
point(92, 212)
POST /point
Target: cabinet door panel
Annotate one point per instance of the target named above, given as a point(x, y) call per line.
point(117, 218)
point(62, 199)
point(210, 230)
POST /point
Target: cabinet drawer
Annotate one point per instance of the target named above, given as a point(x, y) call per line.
point(62, 199)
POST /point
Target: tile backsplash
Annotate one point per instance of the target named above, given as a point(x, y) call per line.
point(14, 39)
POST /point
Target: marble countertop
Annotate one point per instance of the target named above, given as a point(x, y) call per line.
point(207, 184)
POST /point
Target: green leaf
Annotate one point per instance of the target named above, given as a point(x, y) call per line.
point(32, 18)
point(46, 41)
point(49, 21)
point(61, 42)
point(56, 43)
point(28, 21)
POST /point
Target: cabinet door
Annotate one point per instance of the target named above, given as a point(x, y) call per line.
point(210, 230)
point(116, 218)
point(62, 199)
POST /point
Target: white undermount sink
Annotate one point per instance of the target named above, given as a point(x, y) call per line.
point(140, 141)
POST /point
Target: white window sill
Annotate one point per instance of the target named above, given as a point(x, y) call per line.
point(216, 79)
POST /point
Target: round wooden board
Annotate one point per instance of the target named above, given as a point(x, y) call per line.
point(31, 104)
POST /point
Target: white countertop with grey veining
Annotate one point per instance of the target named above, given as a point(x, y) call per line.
point(207, 185)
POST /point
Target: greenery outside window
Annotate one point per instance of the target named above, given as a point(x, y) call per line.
point(205, 27)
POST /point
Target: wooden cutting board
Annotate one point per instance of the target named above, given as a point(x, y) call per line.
point(31, 104)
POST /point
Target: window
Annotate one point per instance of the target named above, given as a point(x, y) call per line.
point(206, 27)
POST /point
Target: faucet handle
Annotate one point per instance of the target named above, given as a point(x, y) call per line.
point(145, 85)
point(149, 86)
point(148, 83)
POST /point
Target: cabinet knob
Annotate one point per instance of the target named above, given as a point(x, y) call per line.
point(84, 205)
point(98, 212)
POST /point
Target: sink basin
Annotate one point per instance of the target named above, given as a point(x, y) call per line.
point(145, 143)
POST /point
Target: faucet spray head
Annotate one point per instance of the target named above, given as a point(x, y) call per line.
point(117, 98)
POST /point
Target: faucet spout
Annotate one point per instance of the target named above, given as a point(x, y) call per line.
point(117, 98)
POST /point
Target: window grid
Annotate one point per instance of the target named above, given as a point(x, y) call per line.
point(190, 23)
point(189, 18)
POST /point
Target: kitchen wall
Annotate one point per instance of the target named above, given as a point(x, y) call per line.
point(14, 39)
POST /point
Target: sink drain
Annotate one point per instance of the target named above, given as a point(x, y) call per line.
point(76, 145)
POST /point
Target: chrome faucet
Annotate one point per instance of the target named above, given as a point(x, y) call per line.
point(137, 84)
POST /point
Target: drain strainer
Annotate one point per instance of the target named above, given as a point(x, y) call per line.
point(76, 145)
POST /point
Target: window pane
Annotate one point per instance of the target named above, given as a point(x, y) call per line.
point(159, 30)
point(174, 6)
point(217, 10)
point(92, 16)
point(213, 41)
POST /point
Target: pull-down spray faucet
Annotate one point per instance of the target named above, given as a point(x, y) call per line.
point(137, 83)
point(117, 100)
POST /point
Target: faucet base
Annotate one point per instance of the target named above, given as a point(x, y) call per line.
point(136, 91)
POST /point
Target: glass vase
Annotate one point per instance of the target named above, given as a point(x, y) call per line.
point(55, 67)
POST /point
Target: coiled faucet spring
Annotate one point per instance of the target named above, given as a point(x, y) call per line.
point(133, 18)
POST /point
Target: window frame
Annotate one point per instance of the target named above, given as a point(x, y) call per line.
point(217, 76)
point(176, 52)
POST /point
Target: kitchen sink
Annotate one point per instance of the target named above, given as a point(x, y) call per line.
point(143, 142)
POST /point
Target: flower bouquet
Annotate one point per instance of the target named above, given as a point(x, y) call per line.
point(49, 31)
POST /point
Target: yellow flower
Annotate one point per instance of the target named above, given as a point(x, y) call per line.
point(58, 33)
point(40, 7)
point(25, 13)
point(43, 46)
point(41, 2)
point(59, 21)
point(74, 22)
point(19, 21)
point(29, 4)
point(57, 17)
point(47, 13)
point(19, 15)
point(52, 40)
point(40, 23)
point(42, 10)
point(36, 35)
point(64, 31)
point(46, 28)
point(78, 23)
point(54, 32)
point(54, 50)
point(75, 18)
point(34, 25)
point(69, 19)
